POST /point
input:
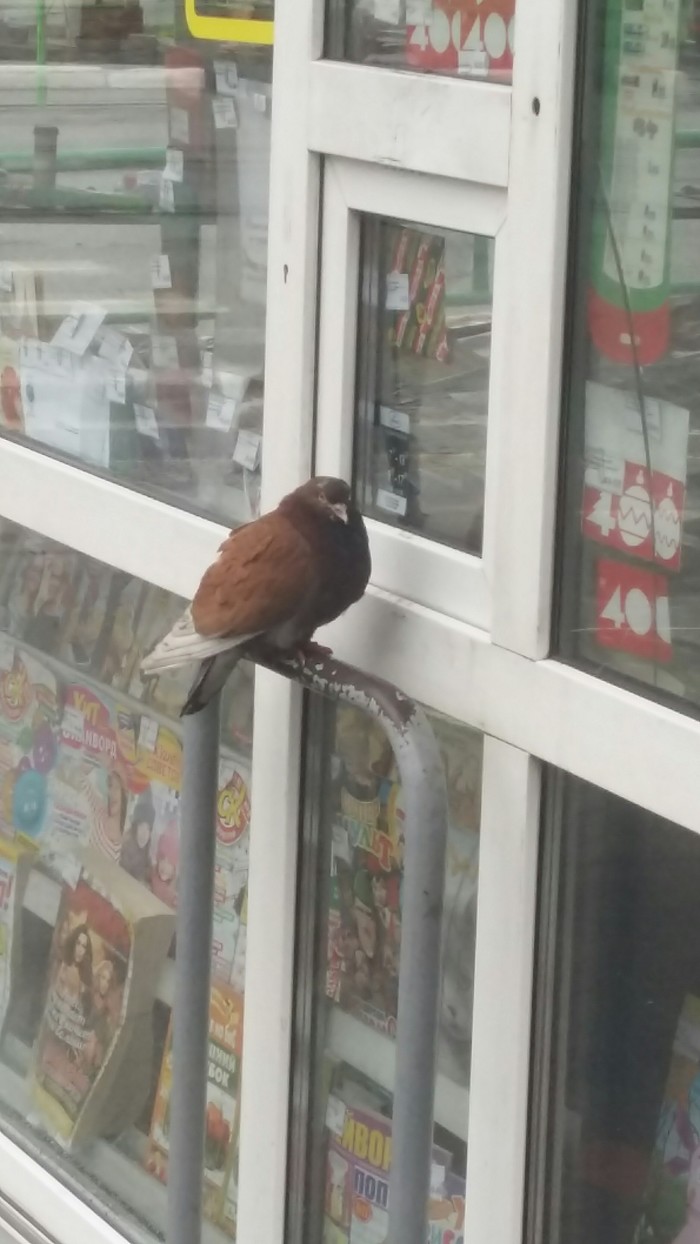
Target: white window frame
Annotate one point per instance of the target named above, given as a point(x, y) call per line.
point(482, 660)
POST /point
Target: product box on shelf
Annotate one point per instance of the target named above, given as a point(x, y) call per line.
point(110, 941)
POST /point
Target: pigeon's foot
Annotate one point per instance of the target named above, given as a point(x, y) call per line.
point(309, 650)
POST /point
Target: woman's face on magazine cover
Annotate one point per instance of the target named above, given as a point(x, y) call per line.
point(80, 947)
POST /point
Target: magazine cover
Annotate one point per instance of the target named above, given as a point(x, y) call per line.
point(358, 1166)
point(225, 1046)
point(364, 920)
point(15, 866)
point(28, 740)
point(21, 580)
point(84, 621)
point(231, 873)
point(109, 944)
point(671, 1212)
point(117, 652)
point(150, 850)
point(91, 780)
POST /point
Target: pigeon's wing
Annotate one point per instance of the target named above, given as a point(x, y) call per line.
point(183, 644)
point(262, 578)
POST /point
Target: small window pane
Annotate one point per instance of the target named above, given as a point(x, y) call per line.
point(630, 604)
point(422, 380)
point(133, 211)
point(348, 979)
point(461, 38)
point(90, 770)
point(616, 1116)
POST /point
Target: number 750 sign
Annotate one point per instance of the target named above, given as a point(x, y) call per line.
point(476, 36)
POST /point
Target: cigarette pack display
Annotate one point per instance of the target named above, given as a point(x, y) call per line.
point(109, 945)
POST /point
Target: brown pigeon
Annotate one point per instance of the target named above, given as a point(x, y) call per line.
point(276, 579)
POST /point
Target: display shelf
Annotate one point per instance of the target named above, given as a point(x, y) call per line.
point(374, 1054)
point(108, 1164)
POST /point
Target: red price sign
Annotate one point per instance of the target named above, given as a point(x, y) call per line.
point(624, 521)
point(476, 36)
point(632, 611)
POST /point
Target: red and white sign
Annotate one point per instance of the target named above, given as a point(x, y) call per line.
point(624, 507)
point(474, 36)
point(632, 613)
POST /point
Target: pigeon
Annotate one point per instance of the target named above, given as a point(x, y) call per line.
point(276, 579)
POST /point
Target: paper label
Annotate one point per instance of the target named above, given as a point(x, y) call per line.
point(174, 164)
point(146, 421)
point(221, 412)
point(397, 420)
point(7, 279)
point(417, 12)
point(390, 502)
point(180, 125)
point(73, 723)
point(166, 196)
point(161, 277)
point(148, 734)
point(247, 451)
point(388, 11)
point(336, 1114)
point(116, 386)
point(164, 352)
point(233, 384)
point(226, 72)
point(207, 375)
point(115, 347)
point(225, 115)
point(79, 328)
point(260, 102)
point(397, 295)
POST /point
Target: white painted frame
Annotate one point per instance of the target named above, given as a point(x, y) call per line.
point(406, 564)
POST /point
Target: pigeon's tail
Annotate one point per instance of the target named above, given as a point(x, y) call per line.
point(183, 644)
point(209, 679)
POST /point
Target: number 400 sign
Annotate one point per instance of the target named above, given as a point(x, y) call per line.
point(476, 36)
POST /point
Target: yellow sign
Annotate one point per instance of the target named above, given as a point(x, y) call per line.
point(227, 29)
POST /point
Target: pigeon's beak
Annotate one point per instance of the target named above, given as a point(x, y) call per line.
point(341, 512)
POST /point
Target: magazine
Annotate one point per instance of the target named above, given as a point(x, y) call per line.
point(231, 873)
point(28, 740)
point(150, 846)
point(225, 1046)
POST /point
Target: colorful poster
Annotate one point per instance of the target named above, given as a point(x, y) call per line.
point(474, 37)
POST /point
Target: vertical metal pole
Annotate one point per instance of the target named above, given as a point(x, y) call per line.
point(40, 51)
point(192, 974)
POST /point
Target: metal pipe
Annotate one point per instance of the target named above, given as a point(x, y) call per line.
point(192, 974)
point(89, 160)
point(425, 836)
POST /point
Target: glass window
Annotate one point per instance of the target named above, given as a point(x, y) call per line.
point(422, 379)
point(90, 768)
point(349, 972)
point(616, 1098)
point(133, 202)
point(462, 38)
point(630, 600)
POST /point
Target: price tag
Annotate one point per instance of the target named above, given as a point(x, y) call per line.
point(164, 353)
point(115, 347)
point(225, 116)
point(233, 384)
point(166, 197)
point(79, 328)
point(388, 11)
point(260, 102)
point(390, 502)
point(221, 412)
point(397, 420)
point(174, 164)
point(397, 295)
point(247, 451)
point(7, 279)
point(161, 277)
point(146, 421)
point(226, 72)
point(148, 734)
point(437, 1177)
point(116, 386)
point(336, 1114)
point(180, 126)
point(73, 722)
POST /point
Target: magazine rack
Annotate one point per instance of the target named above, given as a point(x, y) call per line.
point(423, 783)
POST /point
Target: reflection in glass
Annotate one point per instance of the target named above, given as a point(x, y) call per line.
point(631, 571)
point(423, 374)
point(351, 946)
point(460, 38)
point(90, 770)
point(133, 200)
point(616, 1120)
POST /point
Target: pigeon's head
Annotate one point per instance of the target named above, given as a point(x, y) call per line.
point(327, 497)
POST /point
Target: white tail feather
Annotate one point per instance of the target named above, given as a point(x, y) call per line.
point(183, 644)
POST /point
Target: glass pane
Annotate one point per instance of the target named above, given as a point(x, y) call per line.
point(350, 961)
point(133, 210)
point(630, 568)
point(422, 380)
point(462, 38)
point(616, 1126)
point(90, 767)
